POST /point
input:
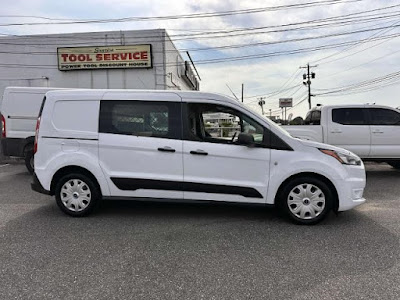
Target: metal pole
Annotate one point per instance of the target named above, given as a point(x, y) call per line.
point(309, 86)
point(242, 91)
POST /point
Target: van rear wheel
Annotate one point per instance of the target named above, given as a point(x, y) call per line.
point(306, 200)
point(29, 159)
point(76, 195)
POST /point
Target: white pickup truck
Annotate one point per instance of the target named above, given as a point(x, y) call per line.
point(370, 131)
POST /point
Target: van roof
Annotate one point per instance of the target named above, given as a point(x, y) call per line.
point(124, 94)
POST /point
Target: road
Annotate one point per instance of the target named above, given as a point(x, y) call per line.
point(131, 250)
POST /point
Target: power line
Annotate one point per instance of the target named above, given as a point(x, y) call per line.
point(184, 16)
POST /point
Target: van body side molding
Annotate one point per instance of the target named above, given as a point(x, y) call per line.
point(132, 184)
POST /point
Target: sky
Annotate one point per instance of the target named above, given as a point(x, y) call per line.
point(354, 58)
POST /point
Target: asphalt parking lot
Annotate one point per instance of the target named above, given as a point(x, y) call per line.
point(131, 250)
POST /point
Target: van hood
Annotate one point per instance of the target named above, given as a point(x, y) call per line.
point(323, 146)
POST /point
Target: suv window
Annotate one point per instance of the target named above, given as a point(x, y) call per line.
point(349, 116)
point(381, 116)
point(140, 118)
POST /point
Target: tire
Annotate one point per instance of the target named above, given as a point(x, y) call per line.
point(395, 164)
point(306, 210)
point(77, 195)
point(29, 163)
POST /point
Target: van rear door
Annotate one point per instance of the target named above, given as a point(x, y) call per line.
point(140, 145)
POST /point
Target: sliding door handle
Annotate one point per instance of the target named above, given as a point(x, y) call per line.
point(198, 152)
point(166, 149)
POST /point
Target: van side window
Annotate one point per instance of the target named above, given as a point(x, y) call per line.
point(140, 118)
point(349, 116)
point(381, 116)
point(220, 124)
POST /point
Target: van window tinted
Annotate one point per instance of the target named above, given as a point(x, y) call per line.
point(349, 116)
point(381, 116)
point(140, 118)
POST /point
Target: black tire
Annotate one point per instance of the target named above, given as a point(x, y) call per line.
point(83, 209)
point(288, 208)
point(29, 159)
point(395, 164)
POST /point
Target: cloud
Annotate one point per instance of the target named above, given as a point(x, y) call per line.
point(259, 75)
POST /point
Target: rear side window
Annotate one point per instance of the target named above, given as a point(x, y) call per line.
point(381, 116)
point(349, 116)
point(316, 117)
point(141, 118)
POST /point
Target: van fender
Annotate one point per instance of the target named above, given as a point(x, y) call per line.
point(82, 160)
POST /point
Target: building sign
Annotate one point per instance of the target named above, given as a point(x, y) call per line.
point(105, 57)
point(190, 76)
point(285, 102)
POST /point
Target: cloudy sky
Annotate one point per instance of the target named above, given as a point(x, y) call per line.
point(354, 44)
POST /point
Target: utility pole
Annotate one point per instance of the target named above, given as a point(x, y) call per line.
point(307, 77)
point(242, 91)
point(270, 114)
point(261, 102)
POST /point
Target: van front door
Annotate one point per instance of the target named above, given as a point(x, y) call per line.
point(216, 166)
point(140, 147)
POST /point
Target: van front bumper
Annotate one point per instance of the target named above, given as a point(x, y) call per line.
point(352, 188)
point(37, 186)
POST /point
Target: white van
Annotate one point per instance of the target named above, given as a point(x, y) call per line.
point(132, 144)
point(19, 111)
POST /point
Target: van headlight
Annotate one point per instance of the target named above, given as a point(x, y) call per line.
point(343, 158)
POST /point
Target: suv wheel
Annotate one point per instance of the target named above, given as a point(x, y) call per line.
point(306, 200)
point(76, 195)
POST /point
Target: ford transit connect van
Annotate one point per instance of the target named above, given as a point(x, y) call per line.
point(131, 144)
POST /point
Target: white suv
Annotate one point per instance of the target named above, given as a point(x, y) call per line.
point(131, 144)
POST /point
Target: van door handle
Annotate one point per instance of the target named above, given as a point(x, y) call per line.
point(166, 149)
point(336, 131)
point(198, 152)
point(377, 131)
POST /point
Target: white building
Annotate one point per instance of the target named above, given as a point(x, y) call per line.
point(142, 59)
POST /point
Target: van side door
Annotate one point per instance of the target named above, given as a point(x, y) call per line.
point(140, 147)
point(216, 166)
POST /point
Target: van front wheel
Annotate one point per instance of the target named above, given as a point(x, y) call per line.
point(76, 195)
point(306, 200)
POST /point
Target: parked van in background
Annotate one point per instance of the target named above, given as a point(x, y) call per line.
point(131, 144)
point(19, 110)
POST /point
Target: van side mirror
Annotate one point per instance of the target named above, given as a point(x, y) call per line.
point(245, 139)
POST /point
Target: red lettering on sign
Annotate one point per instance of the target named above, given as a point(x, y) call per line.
point(143, 55)
point(72, 57)
point(107, 56)
point(136, 55)
point(64, 57)
point(99, 57)
point(114, 56)
point(124, 56)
